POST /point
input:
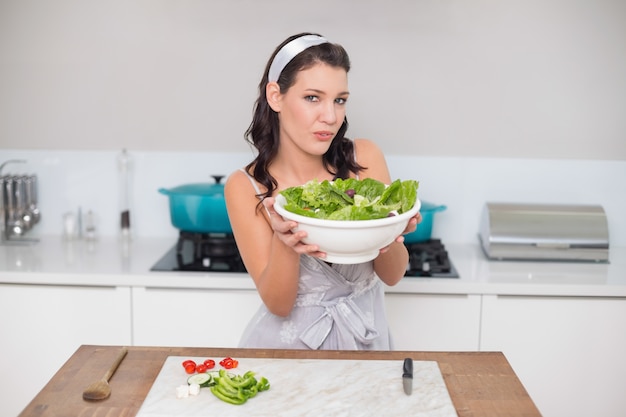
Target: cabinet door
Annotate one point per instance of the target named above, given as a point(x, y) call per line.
point(569, 352)
point(191, 317)
point(447, 322)
point(42, 326)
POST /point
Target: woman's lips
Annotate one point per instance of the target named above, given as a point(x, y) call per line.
point(324, 135)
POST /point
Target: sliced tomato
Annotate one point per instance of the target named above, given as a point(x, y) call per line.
point(190, 368)
point(188, 362)
point(210, 363)
point(229, 363)
point(201, 368)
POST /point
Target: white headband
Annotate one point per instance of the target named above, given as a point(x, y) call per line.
point(289, 51)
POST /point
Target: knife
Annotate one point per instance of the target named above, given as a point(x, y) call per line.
point(407, 376)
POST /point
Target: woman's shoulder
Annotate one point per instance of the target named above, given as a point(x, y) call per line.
point(367, 150)
point(242, 181)
point(364, 142)
point(367, 146)
point(369, 155)
point(237, 179)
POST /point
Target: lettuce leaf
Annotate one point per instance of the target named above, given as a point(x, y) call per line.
point(351, 199)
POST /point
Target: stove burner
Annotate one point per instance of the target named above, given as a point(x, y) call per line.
point(202, 252)
point(207, 244)
point(429, 259)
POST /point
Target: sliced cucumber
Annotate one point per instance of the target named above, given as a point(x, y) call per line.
point(203, 379)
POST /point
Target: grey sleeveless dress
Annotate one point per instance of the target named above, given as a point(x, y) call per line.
point(337, 307)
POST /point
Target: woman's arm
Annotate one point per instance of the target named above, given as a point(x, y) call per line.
point(269, 250)
point(391, 263)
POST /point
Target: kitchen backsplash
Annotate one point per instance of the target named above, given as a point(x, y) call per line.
point(84, 181)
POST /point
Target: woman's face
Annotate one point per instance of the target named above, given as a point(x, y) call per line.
point(313, 109)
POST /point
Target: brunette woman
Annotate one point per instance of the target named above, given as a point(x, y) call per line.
point(298, 130)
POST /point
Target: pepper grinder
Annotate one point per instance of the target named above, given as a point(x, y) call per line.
point(125, 168)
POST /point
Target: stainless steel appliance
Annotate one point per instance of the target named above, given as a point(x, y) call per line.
point(19, 212)
point(548, 232)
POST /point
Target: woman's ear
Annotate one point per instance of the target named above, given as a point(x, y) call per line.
point(272, 93)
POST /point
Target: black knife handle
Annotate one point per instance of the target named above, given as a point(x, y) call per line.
point(407, 368)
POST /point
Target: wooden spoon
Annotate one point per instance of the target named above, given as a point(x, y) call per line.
point(100, 390)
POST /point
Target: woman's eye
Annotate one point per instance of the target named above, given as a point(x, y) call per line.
point(341, 100)
point(311, 98)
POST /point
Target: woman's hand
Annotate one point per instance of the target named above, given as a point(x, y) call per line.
point(413, 222)
point(283, 229)
point(410, 227)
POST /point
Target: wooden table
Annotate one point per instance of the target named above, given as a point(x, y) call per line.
point(479, 383)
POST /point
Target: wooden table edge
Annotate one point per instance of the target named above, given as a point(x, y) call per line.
point(479, 383)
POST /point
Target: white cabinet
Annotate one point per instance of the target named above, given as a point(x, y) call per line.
point(191, 317)
point(447, 322)
point(569, 352)
point(42, 326)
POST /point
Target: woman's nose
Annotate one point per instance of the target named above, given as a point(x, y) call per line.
point(329, 113)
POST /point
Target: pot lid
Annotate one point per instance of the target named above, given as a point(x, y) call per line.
point(426, 206)
point(199, 189)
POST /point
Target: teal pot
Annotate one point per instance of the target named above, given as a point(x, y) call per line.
point(425, 228)
point(199, 207)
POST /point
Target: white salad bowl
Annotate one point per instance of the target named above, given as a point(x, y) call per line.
point(348, 241)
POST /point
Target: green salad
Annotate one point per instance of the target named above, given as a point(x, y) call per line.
point(351, 199)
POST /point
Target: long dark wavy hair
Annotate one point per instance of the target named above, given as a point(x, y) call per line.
point(263, 132)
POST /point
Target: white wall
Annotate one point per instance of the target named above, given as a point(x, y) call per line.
point(482, 100)
point(486, 78)
point(89, 179)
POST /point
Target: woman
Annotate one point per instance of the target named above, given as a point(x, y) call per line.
point(298, 129)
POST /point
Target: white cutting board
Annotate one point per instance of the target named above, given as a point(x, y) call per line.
point(309, 387)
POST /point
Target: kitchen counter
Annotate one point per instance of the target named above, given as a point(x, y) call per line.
point(512, 307)
point(107, 262)
point(479, 384)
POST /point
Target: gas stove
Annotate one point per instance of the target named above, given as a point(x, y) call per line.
point(217, 252)
point(429, 259)
point(201, 252)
